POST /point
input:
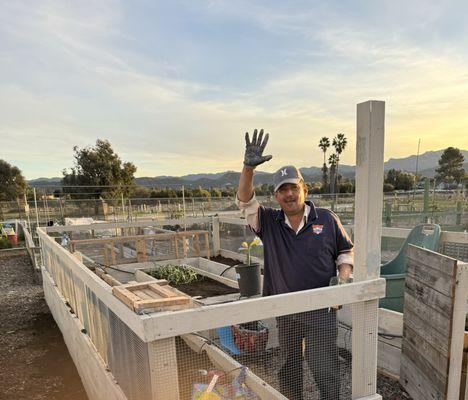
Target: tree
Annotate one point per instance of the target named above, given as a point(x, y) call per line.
point(200, 192)
point(405, 181)
point(324, 144)
point(339, 143)
point(450, 166)
point(333, 161)
point(399, 180)
point(12, 182)
point(215, 192)
point(99, 171)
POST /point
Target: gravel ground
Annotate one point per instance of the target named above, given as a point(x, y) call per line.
point(34, 361)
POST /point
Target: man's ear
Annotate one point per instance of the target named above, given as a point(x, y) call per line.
point(305, 190)
point(276, 195)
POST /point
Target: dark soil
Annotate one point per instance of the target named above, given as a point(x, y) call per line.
point(223, 260)
point(205, 287)
point(34, 361)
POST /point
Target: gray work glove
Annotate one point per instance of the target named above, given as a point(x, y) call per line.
point(254, 149)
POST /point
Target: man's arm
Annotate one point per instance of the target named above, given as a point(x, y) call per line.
point(245, 190)
point(344, 271)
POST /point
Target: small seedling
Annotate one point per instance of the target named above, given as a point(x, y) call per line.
point(175, 274)
point(248, 248)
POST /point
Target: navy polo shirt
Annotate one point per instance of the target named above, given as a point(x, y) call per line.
point(301, 261)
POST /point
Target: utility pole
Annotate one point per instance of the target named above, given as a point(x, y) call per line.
point(416, 174)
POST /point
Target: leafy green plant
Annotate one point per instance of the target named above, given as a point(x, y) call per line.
point(175, 274)
point(5, 243)
point(245, 246)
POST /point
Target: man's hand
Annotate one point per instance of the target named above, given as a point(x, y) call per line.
point(344, 273)
point(254, 149)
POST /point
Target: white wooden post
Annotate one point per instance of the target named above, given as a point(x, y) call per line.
point(163, 369)
point(367, 233)
point(458, 332)
point(215, 235)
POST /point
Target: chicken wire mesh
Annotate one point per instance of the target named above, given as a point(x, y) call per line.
point(295, 356)
point(142, 244)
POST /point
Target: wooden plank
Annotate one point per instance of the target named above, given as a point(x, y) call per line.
point(458, 330)
point(197, 244)
point(176, 323)
point(156, 303)
point(159, 236)
point(418, 321)
point(215, 235)
point(162, 356)
point(430, 277)
point(207, 245)
point(426, 370)
point(113, 259)
point(428, 296)
point(106, 255)
point(416, 384)
point(370, 128)
point(176, 246)
point(161, 290)
point(126, 296)
point(184, 247)
point(423, 261)
point(113, 225)
point(434, 357)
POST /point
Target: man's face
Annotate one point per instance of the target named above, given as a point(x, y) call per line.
point(291, 197)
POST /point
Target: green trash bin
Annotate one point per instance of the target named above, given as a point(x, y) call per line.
point(423, 235)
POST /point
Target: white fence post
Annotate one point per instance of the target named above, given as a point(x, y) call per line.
point(215, 235)
point(367, 233)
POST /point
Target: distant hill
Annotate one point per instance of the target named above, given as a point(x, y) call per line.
point(427, 161)
point(427, 164)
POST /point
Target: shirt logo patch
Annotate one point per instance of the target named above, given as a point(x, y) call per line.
point(317, 229)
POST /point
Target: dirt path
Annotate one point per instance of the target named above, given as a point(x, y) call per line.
point(34, 361)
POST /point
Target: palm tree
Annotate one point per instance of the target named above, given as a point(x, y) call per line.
point(324, 144)
point(333, 161)
point(339, 143)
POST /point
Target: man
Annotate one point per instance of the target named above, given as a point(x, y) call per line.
point(304, 247)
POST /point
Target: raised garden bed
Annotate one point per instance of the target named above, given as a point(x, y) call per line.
point(193, 281)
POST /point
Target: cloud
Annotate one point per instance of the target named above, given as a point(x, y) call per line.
point(71, 74)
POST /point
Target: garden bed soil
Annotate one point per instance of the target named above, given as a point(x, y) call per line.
point(205, 287)
point(224, 260)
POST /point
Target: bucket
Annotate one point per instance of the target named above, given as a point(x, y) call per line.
point(13, 238)
point(248, 277)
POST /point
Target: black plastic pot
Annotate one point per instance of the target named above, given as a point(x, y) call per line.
point(249, 279)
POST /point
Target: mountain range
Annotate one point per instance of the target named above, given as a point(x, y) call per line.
point(427, 163)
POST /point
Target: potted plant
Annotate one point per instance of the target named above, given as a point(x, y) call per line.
point(248, 275)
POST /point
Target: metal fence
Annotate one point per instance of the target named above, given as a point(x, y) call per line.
point(399, 210)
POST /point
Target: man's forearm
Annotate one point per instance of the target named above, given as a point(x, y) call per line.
point(245, 190)
point(345, 270)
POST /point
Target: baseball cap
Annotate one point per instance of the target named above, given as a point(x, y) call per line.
point(287, 174)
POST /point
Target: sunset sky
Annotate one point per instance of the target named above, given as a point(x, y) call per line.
point(174, 85)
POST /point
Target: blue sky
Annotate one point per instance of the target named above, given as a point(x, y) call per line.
point(173, 85)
